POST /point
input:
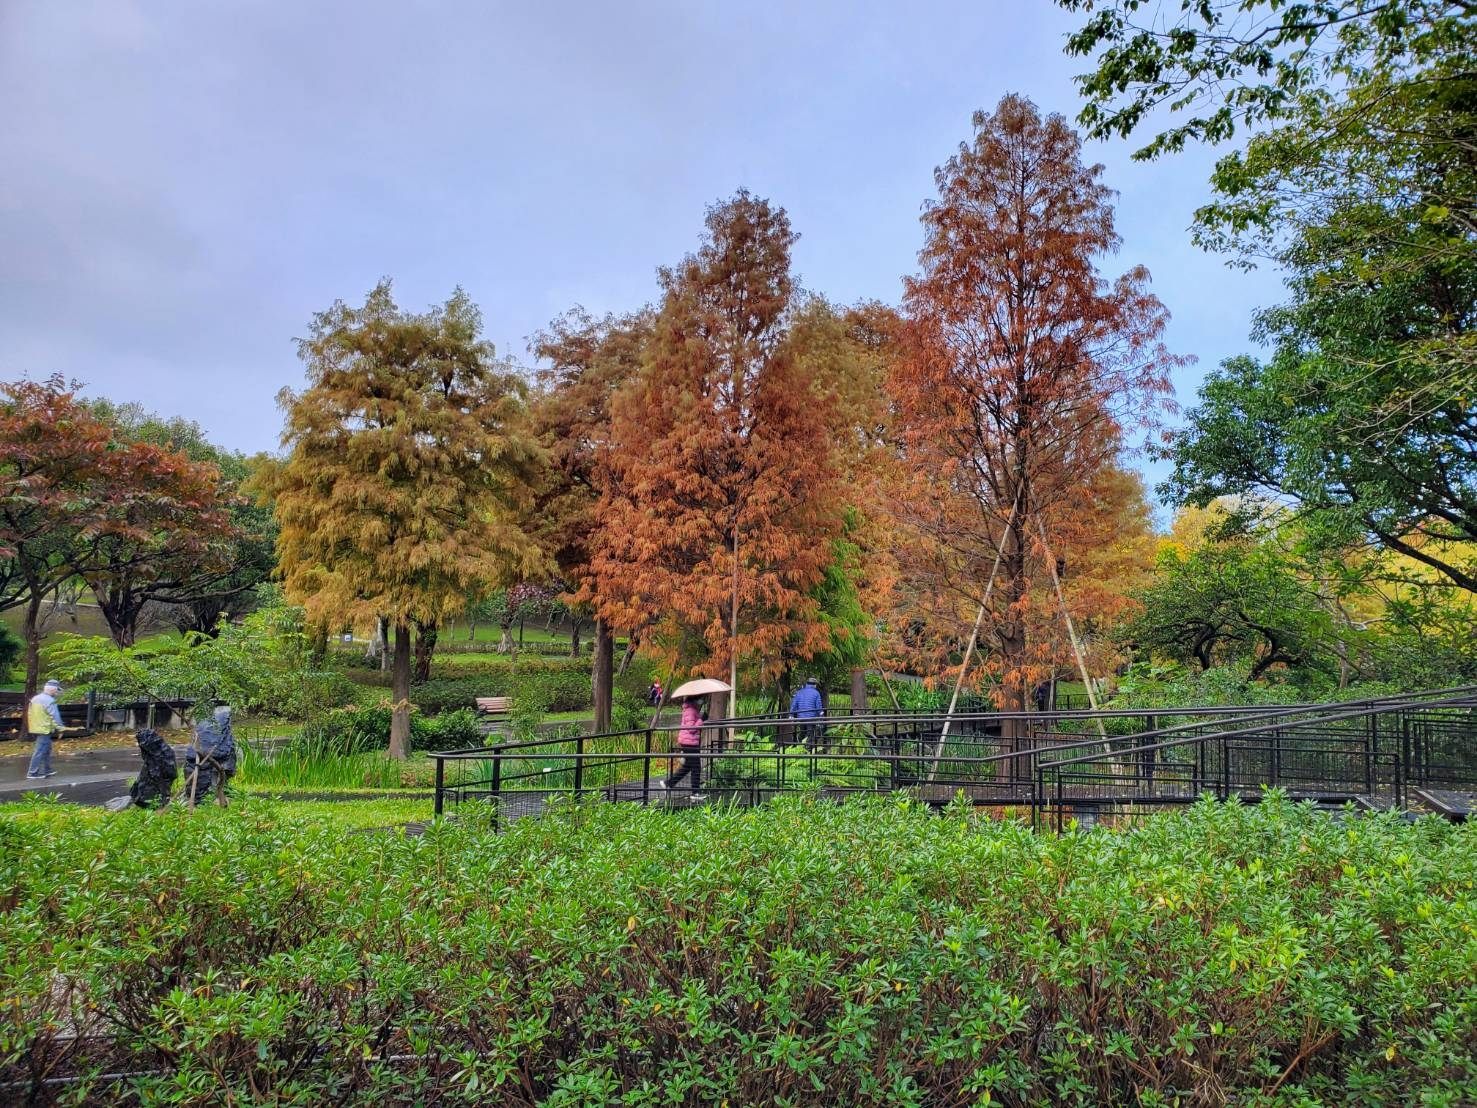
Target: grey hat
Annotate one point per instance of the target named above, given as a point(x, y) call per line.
point(57, 685)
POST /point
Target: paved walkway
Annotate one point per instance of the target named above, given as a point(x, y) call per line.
point(82, 777)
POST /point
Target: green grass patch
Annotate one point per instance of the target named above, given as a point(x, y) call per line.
point(808, 953)
point(303, 766)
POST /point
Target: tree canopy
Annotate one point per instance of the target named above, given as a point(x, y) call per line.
point(409, 464)
point(1020, 368)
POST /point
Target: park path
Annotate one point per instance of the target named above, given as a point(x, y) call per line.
point(92, 776)
point(82, 776)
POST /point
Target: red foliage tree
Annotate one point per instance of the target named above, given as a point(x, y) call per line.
point(1020, 368)
point(76, 500)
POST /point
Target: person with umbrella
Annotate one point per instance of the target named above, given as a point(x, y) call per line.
point(690, 733)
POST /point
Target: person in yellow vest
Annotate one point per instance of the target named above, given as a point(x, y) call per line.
point(43, 721)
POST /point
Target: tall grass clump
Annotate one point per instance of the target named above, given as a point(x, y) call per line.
point(806, 953)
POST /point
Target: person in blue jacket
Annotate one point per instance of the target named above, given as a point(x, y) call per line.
point(807, 704)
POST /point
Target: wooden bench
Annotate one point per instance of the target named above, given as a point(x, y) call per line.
point(492, 705)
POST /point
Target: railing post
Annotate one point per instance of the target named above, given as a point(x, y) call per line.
point(1150, 755)
point(1038, 797)
point(1225, 768)
point(1401, 752)
point(440, 785)
point(579, 765)
point(497, 785)
point(1370, 743)
point(646, 770)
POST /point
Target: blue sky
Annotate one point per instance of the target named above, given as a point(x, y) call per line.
point(183, 184)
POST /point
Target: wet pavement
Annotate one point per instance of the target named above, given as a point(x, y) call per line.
point(82, 777)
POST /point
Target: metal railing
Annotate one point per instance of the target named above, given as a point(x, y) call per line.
point(1038, 760)
point(1369, 752)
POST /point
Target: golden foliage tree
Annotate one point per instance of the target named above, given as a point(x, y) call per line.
point(408, 465)
point(726, 457)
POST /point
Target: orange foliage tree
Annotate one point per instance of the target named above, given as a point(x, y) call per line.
point(587, 361)
point(1019, 369)
point(727, 482)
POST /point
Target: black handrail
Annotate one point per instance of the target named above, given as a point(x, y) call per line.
point(910, 745)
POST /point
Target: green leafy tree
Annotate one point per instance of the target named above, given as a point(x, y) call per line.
point(851, 629)
point(236, 666)
point(1229, 601)
point(1361, 183)
point(408, 466)
point(1214, 65)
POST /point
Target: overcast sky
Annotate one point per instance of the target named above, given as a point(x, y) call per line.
point(183, 184)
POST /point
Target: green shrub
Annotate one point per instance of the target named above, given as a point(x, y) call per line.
point(498, 667)
point(366, 729)
point(11, 649)
point(810, 953)
point(301, 696)
point(914, 697)
point(554, 690)
point(768, 765)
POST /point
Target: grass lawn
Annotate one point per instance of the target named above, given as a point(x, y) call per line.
point(374, 810)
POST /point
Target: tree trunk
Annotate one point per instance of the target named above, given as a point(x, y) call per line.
point(574, 637)
point(602, 675)
point(733, 631)
point(318, 645)
point(629, 653)
point(400, 694)
point(382, 629)
point(121, 613)
point(31, 632)
point(425, 649)
point(858, 690)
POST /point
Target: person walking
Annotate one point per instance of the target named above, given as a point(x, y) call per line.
point(807, 704)
point(43, 721)
point(689, 742)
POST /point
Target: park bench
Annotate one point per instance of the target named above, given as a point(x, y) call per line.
point(495, 707)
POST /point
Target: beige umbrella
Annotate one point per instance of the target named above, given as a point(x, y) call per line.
point(700, 687)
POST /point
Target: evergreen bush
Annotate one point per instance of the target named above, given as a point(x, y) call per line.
point(808, 953)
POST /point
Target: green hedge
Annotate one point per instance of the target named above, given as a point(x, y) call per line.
point(549, 692)
point(869, 953)
point(366, 730)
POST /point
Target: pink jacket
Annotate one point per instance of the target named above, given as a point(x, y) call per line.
point(692, 722)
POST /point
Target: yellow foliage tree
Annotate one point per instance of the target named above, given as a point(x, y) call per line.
point(408, 465)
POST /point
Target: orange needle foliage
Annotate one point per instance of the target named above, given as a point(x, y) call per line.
point(588, 362)
point(1020, 367)
point(727, 456)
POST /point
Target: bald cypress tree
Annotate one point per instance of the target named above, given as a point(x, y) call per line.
point(408, 465)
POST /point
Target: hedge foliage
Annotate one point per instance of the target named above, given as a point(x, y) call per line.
point(366, 730)
point(870, 953)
